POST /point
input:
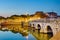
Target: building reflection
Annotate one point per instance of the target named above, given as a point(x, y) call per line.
point(19, 29)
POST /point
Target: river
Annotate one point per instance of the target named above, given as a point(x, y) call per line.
point(8, 35)
point(11, 35)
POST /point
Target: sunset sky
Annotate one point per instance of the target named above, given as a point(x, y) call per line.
point(11, 7)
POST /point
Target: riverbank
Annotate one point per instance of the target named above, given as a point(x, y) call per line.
point(56, 37)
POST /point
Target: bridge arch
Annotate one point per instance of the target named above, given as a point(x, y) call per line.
point(50, 30)
point(33, 25)
point(39, 27)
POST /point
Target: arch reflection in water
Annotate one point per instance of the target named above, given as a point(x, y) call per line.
point(41, 36)
point(26, 36)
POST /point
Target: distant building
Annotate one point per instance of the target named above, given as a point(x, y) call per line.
point(58, 16)
point(52, 14)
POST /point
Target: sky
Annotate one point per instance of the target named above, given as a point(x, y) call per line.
point(18, 7)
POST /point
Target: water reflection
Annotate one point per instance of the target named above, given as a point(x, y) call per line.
point(15, 29)
point(15, 32)
point(23, 32)
point(8, 35)
point(40, 36)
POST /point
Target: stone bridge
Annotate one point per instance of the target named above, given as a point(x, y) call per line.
point(48, 25)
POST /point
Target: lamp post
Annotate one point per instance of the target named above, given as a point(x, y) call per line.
point(26, 37)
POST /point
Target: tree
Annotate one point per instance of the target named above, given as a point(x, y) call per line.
point(41, 14)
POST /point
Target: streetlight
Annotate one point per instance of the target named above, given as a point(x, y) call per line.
point(26, 37)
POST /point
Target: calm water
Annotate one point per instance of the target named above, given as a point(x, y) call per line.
point(8, 35)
